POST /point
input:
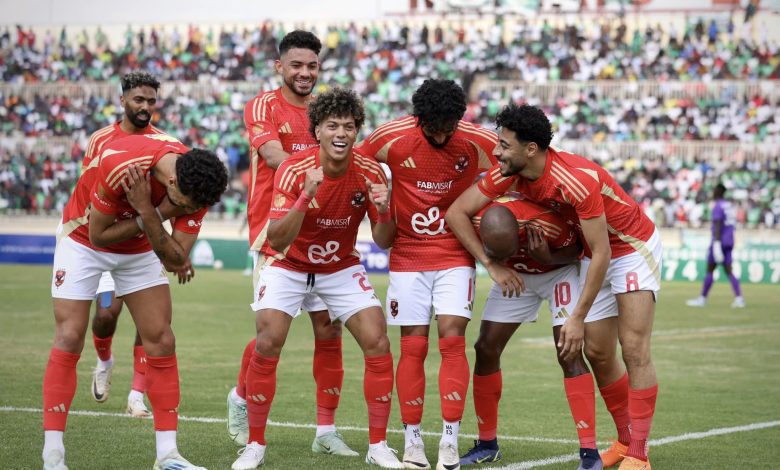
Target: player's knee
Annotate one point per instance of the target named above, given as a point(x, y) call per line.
point(268, 345)
point(69, 339)
point(487, 353)
point(573, 367)
point(106, 316)
point(327, 331)
point(636, 355)
point(160, 343)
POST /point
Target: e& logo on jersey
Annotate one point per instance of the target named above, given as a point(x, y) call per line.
point(324, 255)
point(421, 222)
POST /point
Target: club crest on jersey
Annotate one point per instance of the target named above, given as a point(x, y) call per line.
point(394, 307)
point(463, 162)
point(59, 277)
point(261, 293)
point(279, 201)
point(358, 199)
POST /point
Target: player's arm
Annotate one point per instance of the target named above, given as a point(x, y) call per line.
point(186, 241)
point(272, 153)
point(717, 245)
point(572, 333)
point(282, 232)
point(458, 219)
point(263, 135)
point(105, 230)
point(383, 228)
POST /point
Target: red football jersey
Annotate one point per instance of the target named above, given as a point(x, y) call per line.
point(326, 241)
point(426, 181)
point(73, 214)
point(558, 232)
point(268, 116)
point(145, 151)
point(579, 189)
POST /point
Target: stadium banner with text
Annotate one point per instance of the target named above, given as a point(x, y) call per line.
point(27, 249)
point(755, 263)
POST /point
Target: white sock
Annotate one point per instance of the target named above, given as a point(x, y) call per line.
point(449, 434)
point(325, 429)
point(166, 442)
point(52, 440)
point(105, 364)
point(135, 395)
point(236, 398)
point(378, 444)
point(412, 435)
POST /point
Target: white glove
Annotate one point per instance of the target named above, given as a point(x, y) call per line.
point(717, 252)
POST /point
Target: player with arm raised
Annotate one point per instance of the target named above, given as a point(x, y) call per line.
point(120, 230)
point(620, 273)
point(434, 156)
point(278, 126)
point(320, 197)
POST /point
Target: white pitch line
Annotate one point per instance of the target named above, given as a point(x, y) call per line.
point(652, 443)
point(199, 419)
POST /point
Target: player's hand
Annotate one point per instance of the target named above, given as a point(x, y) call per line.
point(138, 189)
point(379, 195)
point(537, 245)
point(186, 274)
point(571, 338)
point(314, 177)
point(507, 279)
point(717, 252)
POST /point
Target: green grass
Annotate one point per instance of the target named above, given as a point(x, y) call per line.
point(717, 368)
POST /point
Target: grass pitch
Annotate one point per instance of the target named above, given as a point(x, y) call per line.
point(718, 370)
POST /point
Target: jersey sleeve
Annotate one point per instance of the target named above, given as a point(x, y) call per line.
point(258, 120)
point(588, 206)
point(493, 184)
point(107, 189)
point(378, 144)
point(484, 141)
point(190, 223)
point(286, 191)
point(373, 172)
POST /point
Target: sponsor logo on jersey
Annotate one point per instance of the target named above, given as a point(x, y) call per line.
point(333, 223)
point(324, 254)
point(394, 307)
point(463, 162)
point(435, 187)
point(430, 224)
point(409, 163)
point(299, 147)
point(59, 277)
point(258, 128)
point(358, 199)
point(279, 200)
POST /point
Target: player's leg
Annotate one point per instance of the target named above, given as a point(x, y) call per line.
point(709, 279)
point(328, 372)
point(75, 276)
point(278, 302)
point(409, 305)
point(135, 399)
point(453, 302)
point(352, 301)
point(107, 309)
point(739, 302)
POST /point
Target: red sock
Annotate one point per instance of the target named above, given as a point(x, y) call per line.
point(245, 358)
point(487, 394)
point(581, 394)
point(139, 369)
point(615, 396)
point(329, 376)
point(410, 378)
point(641, 407)
point(260, 388)
point(59, 387)
point(453, 377)
point(378, 391)
point(162, 388)
point(103, 347)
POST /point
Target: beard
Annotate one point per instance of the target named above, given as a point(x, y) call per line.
point(436, 144)
point(290, 82)
point(139, 122)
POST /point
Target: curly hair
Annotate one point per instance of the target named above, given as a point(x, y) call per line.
point(137, 79)
point(438, 103)
point(336, 102)
point(201, 177)
point(527, 122)
point(299, 39)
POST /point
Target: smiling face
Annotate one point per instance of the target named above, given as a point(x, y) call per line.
point(337, 135)
point(299, 69)
point(140, 104)
point(513, 155)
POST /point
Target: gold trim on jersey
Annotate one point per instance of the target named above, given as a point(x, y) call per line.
point(291, 172)
point(93, 141)
point(254, 164)
point(392, 126)
point(115, 177)
point(382, 153)
point(483, 161)
point(496, 177)
point(261, 237)
point(370, 166)
point(480, 131)
point(409, 163)
point(590, 172)
point(566, 179)
point(549, 228)
point(260, 108)
point(640, 247)
point(610, 193)
point(71, 225)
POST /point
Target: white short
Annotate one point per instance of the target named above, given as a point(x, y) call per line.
point(344, 292)
point(77, 271)
point(106, 283)
point(640, 270)
point(413, 296)
point(311, 303)
point(560, 288)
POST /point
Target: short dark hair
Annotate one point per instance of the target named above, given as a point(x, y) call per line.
point(720, 189)
point(529, 124)
point(137, 79)
point(299, 39)
point(201, 177)
point(438, 103)
point(336, 102)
